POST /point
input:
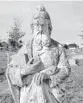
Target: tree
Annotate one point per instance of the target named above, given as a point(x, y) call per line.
point(15, 34)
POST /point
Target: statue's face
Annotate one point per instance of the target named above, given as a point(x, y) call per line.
point(40, 26)
point(41, 32)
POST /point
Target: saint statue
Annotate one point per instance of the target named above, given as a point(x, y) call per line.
point(35, 73)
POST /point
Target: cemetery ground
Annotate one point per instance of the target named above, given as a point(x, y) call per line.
point(73, 85)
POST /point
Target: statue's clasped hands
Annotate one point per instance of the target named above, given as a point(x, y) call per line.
point(41, 78)
point(35, 66)
point(31, 67)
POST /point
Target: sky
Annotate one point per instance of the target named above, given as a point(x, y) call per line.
point(66, 18)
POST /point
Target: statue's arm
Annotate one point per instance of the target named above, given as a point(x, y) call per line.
point(63, 65)
point(59, 73)
point(32, 68)
point(50, 71)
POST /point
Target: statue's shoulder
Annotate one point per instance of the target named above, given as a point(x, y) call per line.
point(58, 45)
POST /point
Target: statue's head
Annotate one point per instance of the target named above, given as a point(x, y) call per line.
point(41, 21)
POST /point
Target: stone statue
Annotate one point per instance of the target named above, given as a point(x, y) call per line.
point(35, 73)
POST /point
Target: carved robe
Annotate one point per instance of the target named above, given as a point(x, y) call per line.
point(24, 90)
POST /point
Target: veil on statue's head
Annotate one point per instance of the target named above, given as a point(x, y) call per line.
point(40, 16)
